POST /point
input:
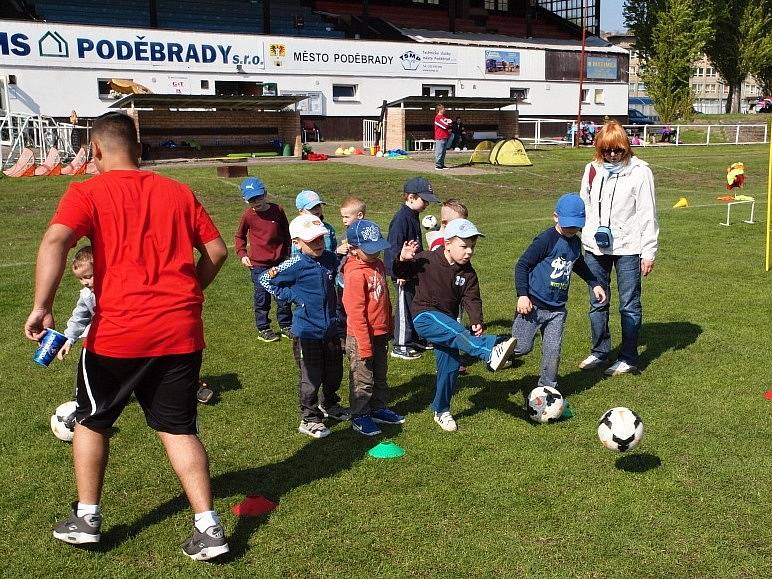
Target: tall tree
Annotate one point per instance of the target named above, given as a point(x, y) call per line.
point(756, 52)
point(669, 39)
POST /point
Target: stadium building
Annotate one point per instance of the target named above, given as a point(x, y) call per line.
point(346, 58)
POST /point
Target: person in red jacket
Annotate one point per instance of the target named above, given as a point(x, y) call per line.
point(265, 229)
point(368, 327)
point(442, 132)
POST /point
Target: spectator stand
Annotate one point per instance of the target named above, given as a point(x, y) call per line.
point(206, 126)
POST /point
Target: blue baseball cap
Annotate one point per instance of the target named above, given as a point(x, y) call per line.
point(570, 211)
point(367, 236)
point(252, 187)
point(420, 186)
point(461, 228)
point(308, 199)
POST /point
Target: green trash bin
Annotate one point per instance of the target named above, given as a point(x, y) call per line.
point(287, 151)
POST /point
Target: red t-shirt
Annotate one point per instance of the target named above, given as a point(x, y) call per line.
point(143, 228)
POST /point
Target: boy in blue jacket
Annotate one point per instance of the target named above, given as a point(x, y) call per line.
point(308, 281)
point(542, 277)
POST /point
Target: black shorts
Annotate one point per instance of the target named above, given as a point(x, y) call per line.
point(165, 387)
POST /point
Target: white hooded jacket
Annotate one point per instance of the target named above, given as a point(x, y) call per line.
point(633, 211)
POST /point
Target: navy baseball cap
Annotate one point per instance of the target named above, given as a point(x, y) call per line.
point(252, 187)
point(367, 236)
point(570, 211)
point(420, 186)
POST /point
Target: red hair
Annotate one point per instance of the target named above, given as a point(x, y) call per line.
point(612, 136)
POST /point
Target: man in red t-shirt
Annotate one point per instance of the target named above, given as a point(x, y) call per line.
point(146, 336)
point(441, 136)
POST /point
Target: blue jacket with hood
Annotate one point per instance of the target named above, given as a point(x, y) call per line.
point(309, 283)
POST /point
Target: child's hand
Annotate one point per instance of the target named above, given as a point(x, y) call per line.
point(600, 294)
point(246, 262)
point(524, 305)
point(409, 249)
point(64, 350)
point(342, 249)
point(477, 329)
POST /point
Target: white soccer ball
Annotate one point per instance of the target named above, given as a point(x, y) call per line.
point(620, 429)
point(63, 421)
point(429, 222)
point(545, 404)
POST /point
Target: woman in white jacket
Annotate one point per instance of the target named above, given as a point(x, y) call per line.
point(620, 233)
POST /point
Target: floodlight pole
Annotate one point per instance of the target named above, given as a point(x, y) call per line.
point(582, 66)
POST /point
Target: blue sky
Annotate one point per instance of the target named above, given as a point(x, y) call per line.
point(611, 15)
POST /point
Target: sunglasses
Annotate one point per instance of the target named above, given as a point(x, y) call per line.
point(617, 151)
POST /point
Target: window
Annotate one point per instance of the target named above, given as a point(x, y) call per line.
point(438, 90)
point(204, 85)
point(585, 95)
point(107, 91)
point(435, 2)
point(500, 5)
point(313, 105)
point(237, 88)
point(700, 71)
point(600, 97)
point(344, 92)
point(710, 88)
point(521, 94)
point(710, 72)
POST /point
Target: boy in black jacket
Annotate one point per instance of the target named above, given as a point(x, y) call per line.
point(405, 226)
point(445, 281)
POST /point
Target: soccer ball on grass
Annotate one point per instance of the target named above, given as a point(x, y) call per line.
point(620, 429)
point(545, 404)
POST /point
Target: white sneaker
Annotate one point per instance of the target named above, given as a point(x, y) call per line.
point(620, 367)
point(446, 421)
point(313, 429)
point(590, 362)
point(502, 352)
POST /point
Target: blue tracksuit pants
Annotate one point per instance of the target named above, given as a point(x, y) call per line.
point(448, 337)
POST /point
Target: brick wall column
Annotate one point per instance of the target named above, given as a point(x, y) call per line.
point(395, 128)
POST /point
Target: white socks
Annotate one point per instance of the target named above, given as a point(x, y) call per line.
point(206, 519)
point(84, 509)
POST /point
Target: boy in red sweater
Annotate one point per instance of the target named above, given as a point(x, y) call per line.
point(368, 327)
point(265, 229)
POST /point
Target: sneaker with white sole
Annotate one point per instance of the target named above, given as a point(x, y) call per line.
point(365, 425)
point(268, 335)
point(620, 367)
point(387, 416)
point(335, 412)
point(79, 530)
point(446, 421)
point(405, 353)
point(207, 545)
point(313, 429)
point(590, 362)
point(501, 353)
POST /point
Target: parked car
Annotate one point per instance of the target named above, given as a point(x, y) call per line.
point(636, 117)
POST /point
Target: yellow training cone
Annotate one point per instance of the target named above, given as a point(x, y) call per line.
point(682, 202)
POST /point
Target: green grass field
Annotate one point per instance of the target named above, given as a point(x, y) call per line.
point(501, 497)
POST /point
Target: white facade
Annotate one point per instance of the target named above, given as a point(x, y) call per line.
point(53, 69)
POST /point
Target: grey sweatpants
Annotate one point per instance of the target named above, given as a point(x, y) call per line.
point(550, 323)
point(367, 378)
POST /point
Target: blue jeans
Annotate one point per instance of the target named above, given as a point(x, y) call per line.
point(440, 146)
point(263, 304)
point(448, 337)
point(628, 269)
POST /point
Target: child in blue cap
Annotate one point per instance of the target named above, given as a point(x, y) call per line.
point(310, 202)
point(263, 241)
point(542, 276)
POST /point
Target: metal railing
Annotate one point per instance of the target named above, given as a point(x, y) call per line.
point(369, 129)
point(538, 131)
point(37, 132)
